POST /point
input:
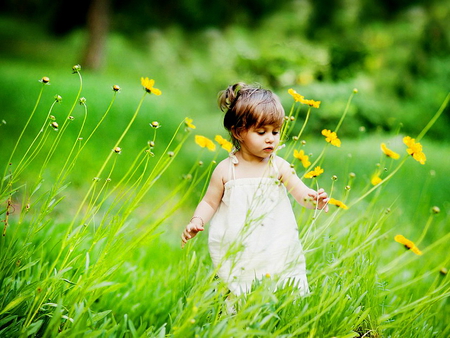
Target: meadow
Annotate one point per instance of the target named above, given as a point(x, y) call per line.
point(92, 214)
point(100, 175)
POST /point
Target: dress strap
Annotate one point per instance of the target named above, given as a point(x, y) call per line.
point(233, 162)
point(273, 165)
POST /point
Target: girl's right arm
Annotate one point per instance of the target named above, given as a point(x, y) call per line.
point(207, 206)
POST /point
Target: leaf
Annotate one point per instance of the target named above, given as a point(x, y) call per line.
point(13, 304)
point(33, 328)
point(99, 316)
point(29, 265)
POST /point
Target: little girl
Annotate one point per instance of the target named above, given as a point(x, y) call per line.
point(253, 232)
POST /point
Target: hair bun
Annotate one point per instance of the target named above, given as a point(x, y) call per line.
point(228, 97)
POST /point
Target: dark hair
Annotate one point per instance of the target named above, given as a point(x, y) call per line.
point(248, 106)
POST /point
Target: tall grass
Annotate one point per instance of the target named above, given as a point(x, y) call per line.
point(104, 259)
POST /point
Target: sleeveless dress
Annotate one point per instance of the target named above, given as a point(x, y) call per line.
point(254, 234)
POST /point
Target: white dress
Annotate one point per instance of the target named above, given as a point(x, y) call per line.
point(254, 234)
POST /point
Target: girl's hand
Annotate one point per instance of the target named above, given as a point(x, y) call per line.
point(190, 232)
point(321, 199)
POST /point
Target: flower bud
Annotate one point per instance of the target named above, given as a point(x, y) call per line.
point(116, 88)
point(76, 69)
point(435, 210)
point(334, 178)
point(58, 98)
point(117, 150)
point(82, 100)
point(355, 90)
point(45, 80)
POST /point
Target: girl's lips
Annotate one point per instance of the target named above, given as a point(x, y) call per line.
point(268, 149)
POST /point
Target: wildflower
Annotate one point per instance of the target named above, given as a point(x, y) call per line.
point(188, 123)
point(414, 149)
point(300, 98)
point(205, 142)
point(76, 69)
point(117, 150)
point(311, 103)
point(45, 80)
point(297, 97)
point(302, 157)
point(389, 153)
point(155, 124)
point(116, 88)
point(376, 179)
point(314, 173)
point(148, 86)
point(331, 137)
point(337, 203)
point(408, 244)
point(228, 146)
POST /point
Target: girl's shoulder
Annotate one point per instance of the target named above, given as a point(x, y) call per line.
point(222, 169)
point(284, 167)
point(281, 163)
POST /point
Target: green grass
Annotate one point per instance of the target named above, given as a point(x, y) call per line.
point(103, 258)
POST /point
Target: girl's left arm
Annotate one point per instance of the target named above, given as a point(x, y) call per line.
point(300, 191)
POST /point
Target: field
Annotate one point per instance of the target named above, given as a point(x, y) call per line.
point(92, 217)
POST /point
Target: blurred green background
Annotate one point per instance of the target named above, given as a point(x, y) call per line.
point(396, 53)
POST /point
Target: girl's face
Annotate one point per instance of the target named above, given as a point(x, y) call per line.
point(260, 142)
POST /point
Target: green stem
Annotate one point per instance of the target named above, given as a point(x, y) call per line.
point(345, 111)
point(435, 117)
point(22, 133)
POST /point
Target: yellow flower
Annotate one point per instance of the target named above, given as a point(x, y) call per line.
point(205, 142)
point(408, 244)
point(228, 146)
point(297, 97)
point(302, 157)
point(148, 86)
point(376, 179)
point(312, 103)
point(331, 137)
point(337, 203)
point(188, 123)
point(300, 98)
point(314, 173)
point(388, 152)
point(414, 149)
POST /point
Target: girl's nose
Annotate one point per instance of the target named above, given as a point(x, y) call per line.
point(270, 138)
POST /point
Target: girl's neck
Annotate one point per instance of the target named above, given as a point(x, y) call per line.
point(250, 158)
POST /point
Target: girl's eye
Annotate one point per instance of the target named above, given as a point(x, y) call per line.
point(275, 132)
point(261, 132)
